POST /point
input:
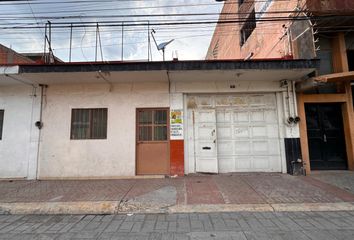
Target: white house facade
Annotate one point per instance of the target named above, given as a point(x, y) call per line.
point(86, 121)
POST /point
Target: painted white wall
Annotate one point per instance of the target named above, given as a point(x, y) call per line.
point(61, 157)
point(18, 147)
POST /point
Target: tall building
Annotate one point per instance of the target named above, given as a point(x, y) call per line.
point(302, 29)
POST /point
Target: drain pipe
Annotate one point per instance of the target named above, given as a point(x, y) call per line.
point(39, 125)
point(295, 99)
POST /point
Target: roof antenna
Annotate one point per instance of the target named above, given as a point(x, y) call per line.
point(161, 46)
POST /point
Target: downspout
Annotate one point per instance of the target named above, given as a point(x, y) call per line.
point(289, 101)
point(295, 99)
point(39, 125)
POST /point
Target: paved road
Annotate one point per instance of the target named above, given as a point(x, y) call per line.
point(245, 226)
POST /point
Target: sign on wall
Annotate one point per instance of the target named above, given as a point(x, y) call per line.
point(176, 124)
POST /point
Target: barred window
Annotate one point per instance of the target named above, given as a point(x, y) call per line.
point(1, 122)
point(152, 124)
point(89, 123)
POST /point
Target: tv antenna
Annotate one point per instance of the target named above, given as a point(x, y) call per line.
point(161, 46)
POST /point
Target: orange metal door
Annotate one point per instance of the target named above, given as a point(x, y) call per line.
point(152, 145)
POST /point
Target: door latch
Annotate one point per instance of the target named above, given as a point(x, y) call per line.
point(324, 138)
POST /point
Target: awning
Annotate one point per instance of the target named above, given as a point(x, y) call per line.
point(174, 71)
point(335, 77)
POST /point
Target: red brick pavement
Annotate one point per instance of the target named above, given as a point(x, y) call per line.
point(195, 189)
point(236, 190)
point(203, 190)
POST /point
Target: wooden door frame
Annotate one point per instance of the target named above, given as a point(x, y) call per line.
point(348, 119)
point(137, 137)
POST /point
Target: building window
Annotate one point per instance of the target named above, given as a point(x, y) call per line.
point(89, 123)
point(240, 2)
point(1, 122)
point(152, 124)
point(248, 27)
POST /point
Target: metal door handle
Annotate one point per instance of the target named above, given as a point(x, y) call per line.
point(324, 138)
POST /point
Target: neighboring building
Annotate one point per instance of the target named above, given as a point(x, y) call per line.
point(9, 56)
point(107, 120)
point(325, 102)
point(40, 58)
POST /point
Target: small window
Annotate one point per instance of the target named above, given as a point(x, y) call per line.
point(152, 125)
point(248, 28)
point(1, 122)
point(89, 123)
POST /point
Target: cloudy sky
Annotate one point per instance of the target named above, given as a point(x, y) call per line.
point(190, 41)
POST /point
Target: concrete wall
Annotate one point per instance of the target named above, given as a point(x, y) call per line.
point(225, 40)
point(19, 144)
point(61, 157)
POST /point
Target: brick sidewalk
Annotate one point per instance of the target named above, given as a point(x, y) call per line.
point(252, 188)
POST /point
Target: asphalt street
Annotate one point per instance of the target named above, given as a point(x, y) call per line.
point(229, 225)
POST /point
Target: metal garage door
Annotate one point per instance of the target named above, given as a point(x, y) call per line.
point(237, 133)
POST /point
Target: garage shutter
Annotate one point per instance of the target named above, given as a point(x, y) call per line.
point(247, 131)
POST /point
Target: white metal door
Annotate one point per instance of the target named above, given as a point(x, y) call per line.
point(248, 135)
point(236, 133)
point(206, 156)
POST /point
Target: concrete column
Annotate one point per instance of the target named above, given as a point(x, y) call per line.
point(340, 60)
point(176, 134)
point(34, 136)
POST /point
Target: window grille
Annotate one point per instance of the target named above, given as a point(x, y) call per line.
point(89, 123)
point(152, 125)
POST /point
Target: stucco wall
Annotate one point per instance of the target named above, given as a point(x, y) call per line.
point(18, 147)
point(61, 157)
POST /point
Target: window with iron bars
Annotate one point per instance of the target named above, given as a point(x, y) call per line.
point(89, 123)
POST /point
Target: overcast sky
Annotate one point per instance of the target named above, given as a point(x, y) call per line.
point(191, 41)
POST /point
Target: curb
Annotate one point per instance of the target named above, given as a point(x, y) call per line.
point(113, 207)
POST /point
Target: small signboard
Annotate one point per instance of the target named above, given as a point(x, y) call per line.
point(176, 124)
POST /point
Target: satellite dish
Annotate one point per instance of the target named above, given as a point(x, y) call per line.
point(161, 46)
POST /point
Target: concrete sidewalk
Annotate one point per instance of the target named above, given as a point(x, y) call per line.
point(196, 193)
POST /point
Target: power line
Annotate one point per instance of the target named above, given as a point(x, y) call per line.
point(165, 23)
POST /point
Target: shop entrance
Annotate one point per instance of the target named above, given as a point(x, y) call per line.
point(326, 136)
